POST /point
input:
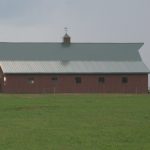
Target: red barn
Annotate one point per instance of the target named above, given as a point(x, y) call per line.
point(72, 68)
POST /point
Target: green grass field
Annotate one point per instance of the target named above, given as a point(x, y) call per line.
point(74, 122)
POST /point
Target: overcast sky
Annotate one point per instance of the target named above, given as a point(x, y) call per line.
point(87, 20)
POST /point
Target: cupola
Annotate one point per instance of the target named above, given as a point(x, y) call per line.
point(66, 38)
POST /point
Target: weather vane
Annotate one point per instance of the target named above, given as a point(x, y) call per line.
point(66, 29)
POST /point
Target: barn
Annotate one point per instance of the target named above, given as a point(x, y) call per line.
point(72, 68)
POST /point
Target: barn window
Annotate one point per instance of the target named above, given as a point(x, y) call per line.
point(124, 79)
point(31, 80)
point(78, 80)
point(54, 78)
point(101, 80)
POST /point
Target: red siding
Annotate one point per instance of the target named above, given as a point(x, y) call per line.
point(66, 84)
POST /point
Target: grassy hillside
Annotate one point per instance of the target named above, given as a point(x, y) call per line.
point(74, 122)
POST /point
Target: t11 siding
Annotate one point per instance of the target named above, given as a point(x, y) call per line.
point(66, 83)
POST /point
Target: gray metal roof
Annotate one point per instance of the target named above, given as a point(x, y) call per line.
point(71, 52)
point(72, 58)
point(73, 67)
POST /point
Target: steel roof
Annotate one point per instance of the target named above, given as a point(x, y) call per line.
point(70, 52)
point(71, 58)
point(73, 67)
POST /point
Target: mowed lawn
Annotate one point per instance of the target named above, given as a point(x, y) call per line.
point(75, 122)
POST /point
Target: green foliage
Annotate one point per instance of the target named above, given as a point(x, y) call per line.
point(74, 122)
